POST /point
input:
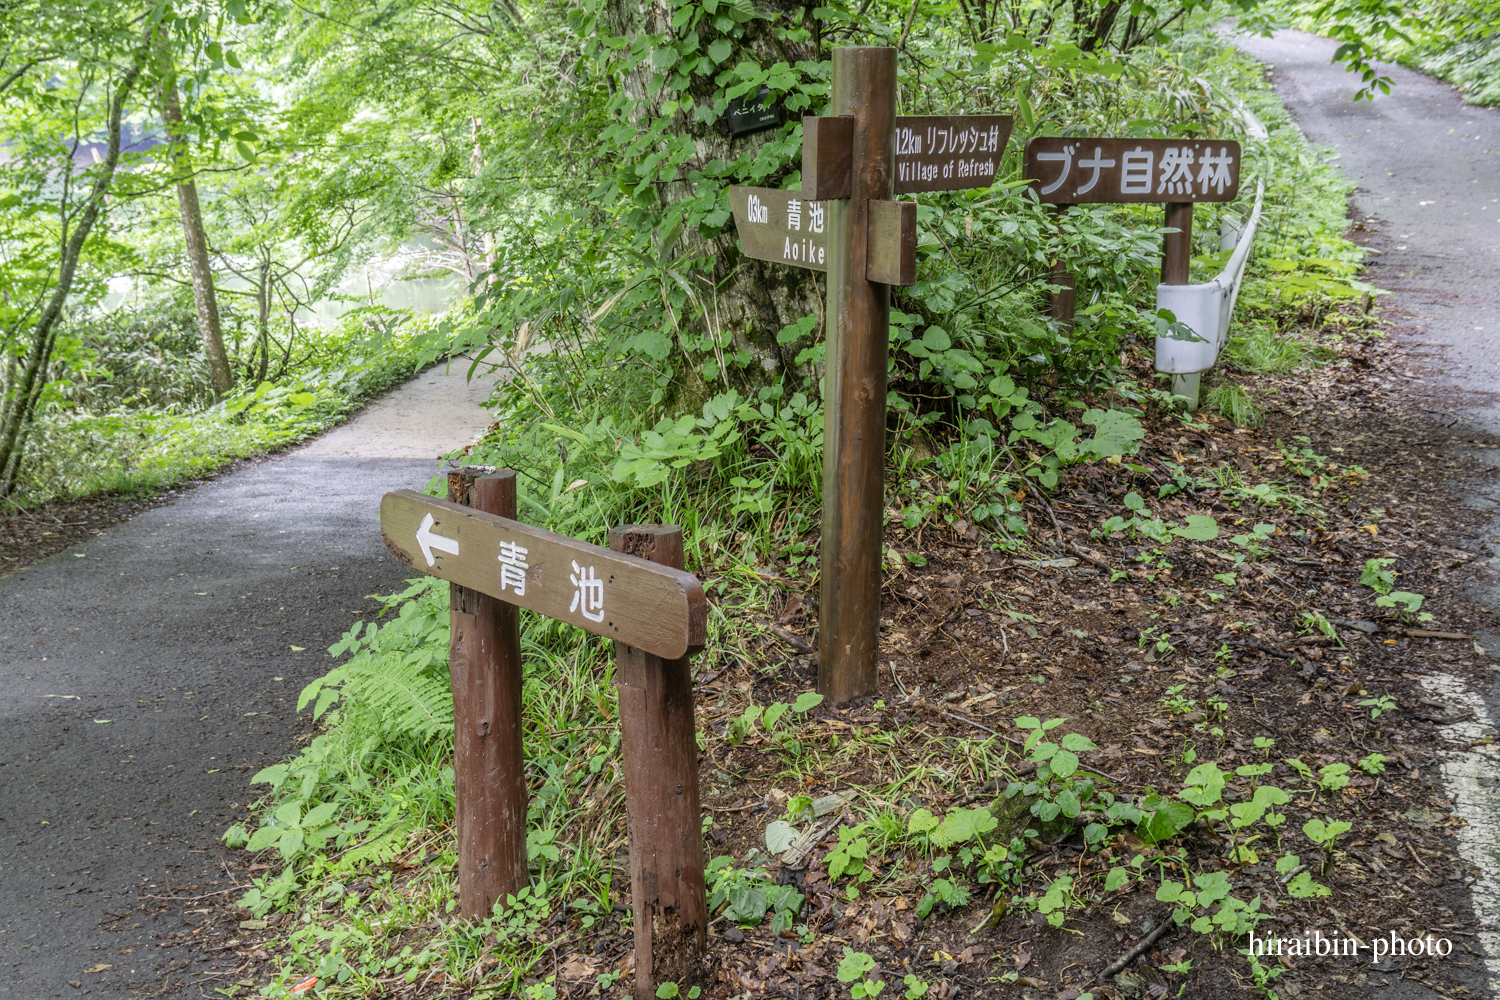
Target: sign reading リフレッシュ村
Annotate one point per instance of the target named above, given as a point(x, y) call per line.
point(1066, 171)
point(948, 152)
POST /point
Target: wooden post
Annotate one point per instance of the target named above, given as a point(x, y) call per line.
point(489, 778)
point(1064, 302)
point(1176, 265)
point(858, 310)
point(659, 744)
point(1177, 248)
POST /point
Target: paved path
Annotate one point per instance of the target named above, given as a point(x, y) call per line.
point(1428, 170)
point(146, 675)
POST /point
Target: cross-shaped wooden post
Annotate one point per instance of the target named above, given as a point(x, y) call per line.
point(855, 161)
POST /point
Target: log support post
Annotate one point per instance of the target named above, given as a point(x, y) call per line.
point(854, 385)
point(489, 778)
point(1177, 248)
point(1065, 299)
point(1176, 265)
point(659, 745)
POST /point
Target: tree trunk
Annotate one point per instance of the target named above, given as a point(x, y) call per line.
point(196, 241)
point(750, 301)
point(263, 320)
point(24, 392)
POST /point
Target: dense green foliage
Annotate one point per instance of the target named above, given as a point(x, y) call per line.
point(1452, 40)
point(564, 163)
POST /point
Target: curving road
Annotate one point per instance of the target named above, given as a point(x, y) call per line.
point(1428, 170)
point(1427, 167)
point(146, 675)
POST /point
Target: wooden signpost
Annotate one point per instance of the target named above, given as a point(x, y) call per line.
point(855, 160)
point(1178, 172)
point(634, 592)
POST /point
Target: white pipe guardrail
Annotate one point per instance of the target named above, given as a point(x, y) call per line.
point(1206, 309)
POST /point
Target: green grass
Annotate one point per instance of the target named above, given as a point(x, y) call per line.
point(1235, 404)
point(77, 451)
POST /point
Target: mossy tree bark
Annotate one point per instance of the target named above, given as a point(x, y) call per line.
point(749, 301)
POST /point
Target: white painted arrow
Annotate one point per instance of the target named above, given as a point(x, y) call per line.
point(429, 541)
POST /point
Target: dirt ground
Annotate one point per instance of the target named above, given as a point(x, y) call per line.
point(975, 638)
point(960, 666)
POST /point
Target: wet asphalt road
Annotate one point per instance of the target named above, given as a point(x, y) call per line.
point(1428, 170)
point(146, 676)
point(1427, 167)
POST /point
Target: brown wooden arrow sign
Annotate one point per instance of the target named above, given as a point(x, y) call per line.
point(651, 607)
point(948, 152)
point(1068, 171)
point(783, 226)
point(933, 153)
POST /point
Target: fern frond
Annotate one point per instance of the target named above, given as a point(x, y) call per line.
point(379, 850)
point(406, 697)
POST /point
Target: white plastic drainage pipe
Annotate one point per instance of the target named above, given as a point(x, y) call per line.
point(1206, 309)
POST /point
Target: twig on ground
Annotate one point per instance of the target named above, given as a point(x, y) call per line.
point(897, 678)
point(1053, 517)
point(971, 722)
point(1140, 949)
point(798, 643)
point(190, 899)
point(1078, 551)
point(735, 809)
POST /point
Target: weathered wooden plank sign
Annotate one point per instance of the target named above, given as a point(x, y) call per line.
point(781, 226)
point(643, 604)
point(634, 592)
point(948, 152)
point(1069, 171)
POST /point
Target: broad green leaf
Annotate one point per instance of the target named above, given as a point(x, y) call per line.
point(263, 838)
point(1204, 785)
point(1064, 763)
point(1170, 891)
point(1164, 821)
point(780, 835)
point(291, 844)
point(1303, 887)
point(1078, 743)
point(1116, 433)
point(921, 821)
point(1198, 528)
point(807, 701)
point(318, 815)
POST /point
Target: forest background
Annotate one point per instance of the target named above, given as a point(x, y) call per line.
point(198, 200)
